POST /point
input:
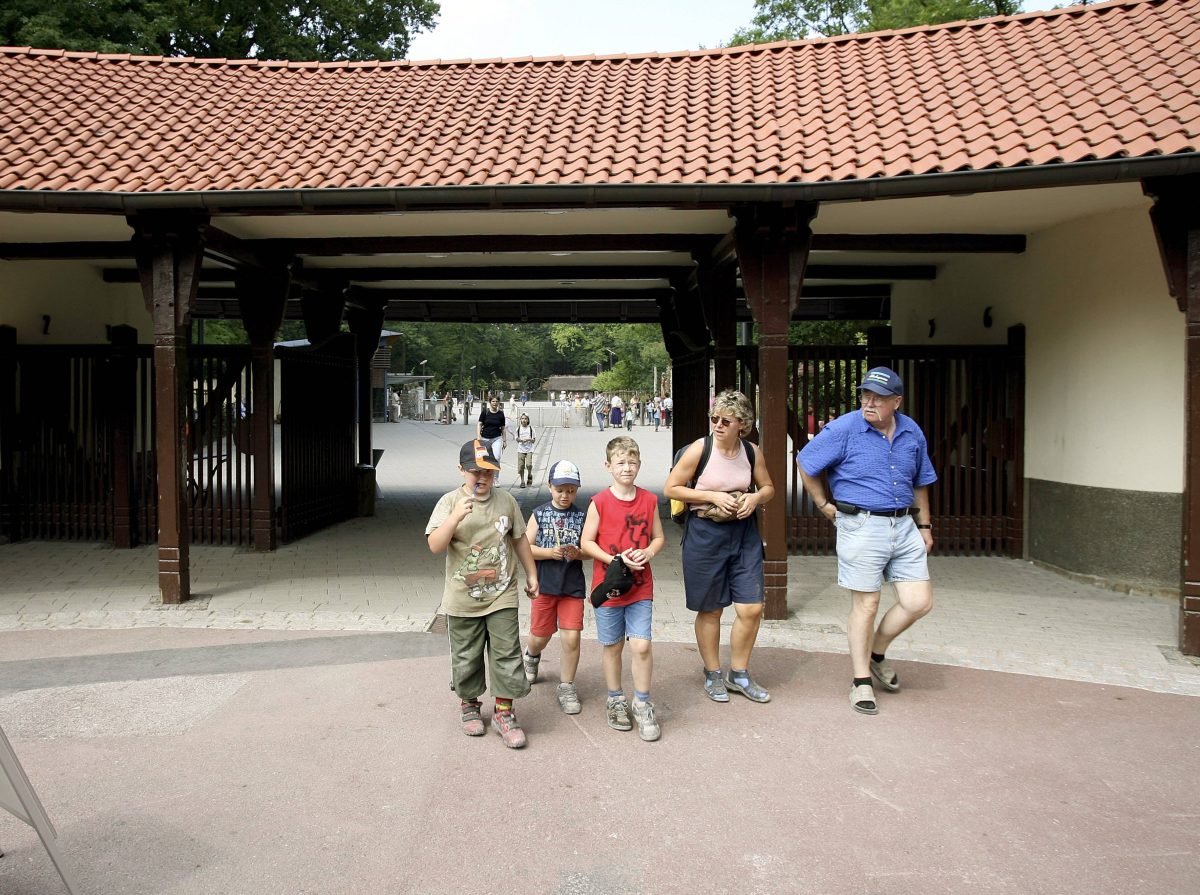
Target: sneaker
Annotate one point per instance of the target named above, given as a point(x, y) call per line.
point(862, 699)
point(520, 483)
point(751, 690)
point(472, 720)
point(647, 725)
point(531, 665)
point(568, 699)
point(886, 675)
point(618, 713)
point(714, 687)
point(505, 724)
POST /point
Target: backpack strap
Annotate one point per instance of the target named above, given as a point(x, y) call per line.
point(708, 444)
point(750, 456)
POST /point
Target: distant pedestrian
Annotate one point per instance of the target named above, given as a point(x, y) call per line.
point(525, 440)
point(482, 533)
point(600, 406)
point(492, 428)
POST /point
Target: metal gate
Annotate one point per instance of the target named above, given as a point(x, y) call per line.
point(969, 401)
point(317, 435)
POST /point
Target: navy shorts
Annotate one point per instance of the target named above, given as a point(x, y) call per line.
point(722, 563)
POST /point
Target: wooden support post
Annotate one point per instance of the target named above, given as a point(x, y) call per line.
point(772, 249)
point(1176, 219)
point(9, 511)
point(364, 314)
point(1014, 522)
point(718, 298)
point(262, 298)
point(169, 250)
point(121, 391)
point(687, 342)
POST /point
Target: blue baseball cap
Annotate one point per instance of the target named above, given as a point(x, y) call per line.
point(882, 381)
point(564, 472)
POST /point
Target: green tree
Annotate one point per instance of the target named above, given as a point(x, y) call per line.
point(623, 355)
point(797, 19)
point(326, 30)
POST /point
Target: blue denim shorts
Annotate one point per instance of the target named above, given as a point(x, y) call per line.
point(722, 563)
point(614, 623)
point(874, 549)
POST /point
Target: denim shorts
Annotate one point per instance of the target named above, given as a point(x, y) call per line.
point(874, 549)
point(722, 563)
point(614, 623)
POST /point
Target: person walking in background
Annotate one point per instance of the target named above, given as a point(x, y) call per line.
point(724, 480)
point(525, 441)
point(492, 428)
point(877, 463)
point(600, 406)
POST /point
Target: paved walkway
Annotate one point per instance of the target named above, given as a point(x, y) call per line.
point(290, 731)
point(376, 574)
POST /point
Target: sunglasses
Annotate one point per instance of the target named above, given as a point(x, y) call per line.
point(721, 421)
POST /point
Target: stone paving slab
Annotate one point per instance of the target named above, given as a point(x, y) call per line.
point(377, 575)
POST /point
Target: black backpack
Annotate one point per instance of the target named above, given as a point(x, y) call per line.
point(680, 510)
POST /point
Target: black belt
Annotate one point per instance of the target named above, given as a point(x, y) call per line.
point(851, 510)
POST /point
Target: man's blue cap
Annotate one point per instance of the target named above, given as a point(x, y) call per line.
point(882, 381)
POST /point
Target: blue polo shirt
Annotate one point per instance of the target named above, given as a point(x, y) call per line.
point(866, 469)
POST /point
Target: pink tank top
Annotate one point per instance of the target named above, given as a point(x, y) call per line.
point(725, 473)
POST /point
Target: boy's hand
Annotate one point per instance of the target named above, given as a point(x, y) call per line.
point(465, 504)
point(531, 587)
point(634, 558)
point(569, 551)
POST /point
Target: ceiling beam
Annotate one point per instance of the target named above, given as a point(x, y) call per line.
point(971, 243)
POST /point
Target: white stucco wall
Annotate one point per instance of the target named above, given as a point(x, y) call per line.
point(75, 296)
point(1104, 341)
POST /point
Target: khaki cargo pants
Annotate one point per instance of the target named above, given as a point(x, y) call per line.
point(498, 633)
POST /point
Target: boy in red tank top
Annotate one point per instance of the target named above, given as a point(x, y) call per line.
point(623, 521)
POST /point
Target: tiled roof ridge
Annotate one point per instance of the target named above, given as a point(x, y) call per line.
point(1075, 10)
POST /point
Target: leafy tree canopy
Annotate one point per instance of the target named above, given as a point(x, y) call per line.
point(327, 30)
point(798, 19)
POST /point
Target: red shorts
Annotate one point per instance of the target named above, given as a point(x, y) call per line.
point(550, 613)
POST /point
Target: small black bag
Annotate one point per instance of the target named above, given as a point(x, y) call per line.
point(617, 580)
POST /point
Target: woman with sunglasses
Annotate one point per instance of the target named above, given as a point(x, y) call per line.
point(722, 549)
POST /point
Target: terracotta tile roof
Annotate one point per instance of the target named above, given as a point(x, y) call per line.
point(1094, 82)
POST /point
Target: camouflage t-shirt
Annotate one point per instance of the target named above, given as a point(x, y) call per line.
point(481, 562)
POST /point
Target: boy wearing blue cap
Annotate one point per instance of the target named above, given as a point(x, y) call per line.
point(877, 464)
point(553, 531)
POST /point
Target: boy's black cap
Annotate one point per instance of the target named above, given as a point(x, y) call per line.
point(476, 454)
point(617, 580)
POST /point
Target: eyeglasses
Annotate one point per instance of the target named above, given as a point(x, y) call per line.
point(866, 397)
point(721, 421)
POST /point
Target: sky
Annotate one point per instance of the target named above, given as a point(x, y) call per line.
point(485, 29)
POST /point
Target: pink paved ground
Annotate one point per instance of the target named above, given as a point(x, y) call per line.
point(318, 777)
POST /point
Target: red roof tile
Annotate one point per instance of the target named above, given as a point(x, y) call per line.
point(1094, 82)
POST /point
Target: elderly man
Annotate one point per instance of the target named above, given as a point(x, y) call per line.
point(878, 468)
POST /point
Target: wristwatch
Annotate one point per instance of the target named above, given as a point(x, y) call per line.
point(925, 526)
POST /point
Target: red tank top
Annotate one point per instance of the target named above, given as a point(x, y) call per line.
point(625, 524)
